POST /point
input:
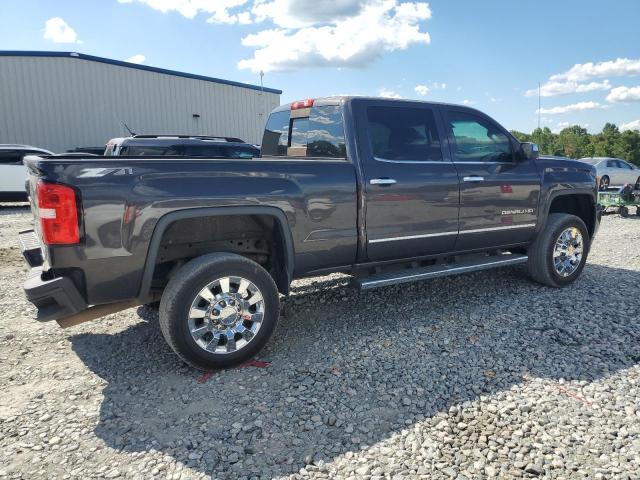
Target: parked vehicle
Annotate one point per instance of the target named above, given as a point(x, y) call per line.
point(183, 145)
point(13, 173)
point(90, 150)
point(614, 172)
point(112, 148)
point(389, 191)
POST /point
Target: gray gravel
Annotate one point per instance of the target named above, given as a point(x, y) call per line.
point(479, 376)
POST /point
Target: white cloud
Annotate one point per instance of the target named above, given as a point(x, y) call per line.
point(422, 90)
point(468, 102)
point(634, 125)
point(59, 31)
point(562, 125)
point(313, 33)
point(624, 94)
point(576, 107)
point(439, 85)
point(219, 10)
point(584, 71)
point(553, 88)
point(139, 58)
point(342, 33)
point(383, 92)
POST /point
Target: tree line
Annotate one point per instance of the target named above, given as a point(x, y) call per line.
point(576, 142)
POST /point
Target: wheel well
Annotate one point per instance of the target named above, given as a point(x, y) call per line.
point(578, 205)
point(257, 237)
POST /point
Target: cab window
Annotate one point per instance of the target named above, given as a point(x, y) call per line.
point(321, 134)
point(476, 139)
point(276, 134)
point(403, 134)
point(10, 157)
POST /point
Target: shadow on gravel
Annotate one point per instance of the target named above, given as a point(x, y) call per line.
point(350, 369)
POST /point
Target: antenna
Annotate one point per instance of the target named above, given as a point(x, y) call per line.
point(131, 132)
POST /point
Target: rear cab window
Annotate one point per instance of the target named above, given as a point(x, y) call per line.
point(317, 131)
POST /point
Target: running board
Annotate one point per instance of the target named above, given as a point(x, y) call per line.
point(435, 271)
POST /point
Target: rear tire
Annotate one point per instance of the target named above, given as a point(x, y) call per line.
point(230, 298)
point(550, 263)
point(624, 212)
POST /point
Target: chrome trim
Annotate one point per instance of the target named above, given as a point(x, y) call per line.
point(411, 237)
point(441, 234)
point(473, 178)
point(382, 181)
point(378, 159)
point(494, 229)
point(483, 163)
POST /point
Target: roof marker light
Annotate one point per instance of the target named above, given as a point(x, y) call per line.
point(308, 103)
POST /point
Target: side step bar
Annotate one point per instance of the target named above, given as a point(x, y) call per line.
point(441, 270)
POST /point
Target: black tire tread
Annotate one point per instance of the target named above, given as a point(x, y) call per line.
point(539, 268)
point(176, 288)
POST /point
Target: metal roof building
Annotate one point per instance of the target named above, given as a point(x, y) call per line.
point(64, 100)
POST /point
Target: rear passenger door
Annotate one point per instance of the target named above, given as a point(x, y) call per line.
point(411, 186)
point(499, 190)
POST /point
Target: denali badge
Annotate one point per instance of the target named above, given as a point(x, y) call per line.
point(518, 211)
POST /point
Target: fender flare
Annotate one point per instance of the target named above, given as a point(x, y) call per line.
point(169, 218)
point(544, 211)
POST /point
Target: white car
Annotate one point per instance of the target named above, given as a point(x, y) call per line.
point(13, 173)
point(614, 172)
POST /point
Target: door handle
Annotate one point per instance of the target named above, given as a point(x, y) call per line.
point(382, 181)
point(473, 178)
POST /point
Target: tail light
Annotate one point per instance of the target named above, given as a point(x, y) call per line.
point(58, 214)
point(302, 104)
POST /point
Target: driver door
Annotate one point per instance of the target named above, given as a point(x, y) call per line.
point(499, 189)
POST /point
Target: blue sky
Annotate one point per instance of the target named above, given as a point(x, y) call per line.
point(586, 53)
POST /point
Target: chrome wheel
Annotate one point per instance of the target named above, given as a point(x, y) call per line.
point(604, 183)
point(568, 252)
point(226, 315)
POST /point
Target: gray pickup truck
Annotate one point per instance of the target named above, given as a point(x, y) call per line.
point(388, 191)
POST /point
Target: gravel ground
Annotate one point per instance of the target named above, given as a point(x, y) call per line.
point(477, 376)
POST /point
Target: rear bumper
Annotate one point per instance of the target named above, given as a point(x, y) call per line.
point(54, 297)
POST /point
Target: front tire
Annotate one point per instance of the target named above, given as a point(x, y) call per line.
point(559, 253)
point(219, 310)
point(604, 183)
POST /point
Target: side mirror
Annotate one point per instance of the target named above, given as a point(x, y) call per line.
point(530, 151)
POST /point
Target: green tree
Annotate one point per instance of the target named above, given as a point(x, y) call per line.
point(575, 142)
point(523, 137)
point(546, 140)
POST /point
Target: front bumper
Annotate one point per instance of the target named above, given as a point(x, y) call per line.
point(54, 297)
point(599, 209)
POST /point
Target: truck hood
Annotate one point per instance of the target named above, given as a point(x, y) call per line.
point(565, 163)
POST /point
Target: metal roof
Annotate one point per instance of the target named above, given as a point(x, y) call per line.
point(91, 58)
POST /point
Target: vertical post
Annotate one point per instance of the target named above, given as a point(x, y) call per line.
point(263, 104)
point(539, 103)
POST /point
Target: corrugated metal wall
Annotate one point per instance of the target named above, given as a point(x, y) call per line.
point(62, 103)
